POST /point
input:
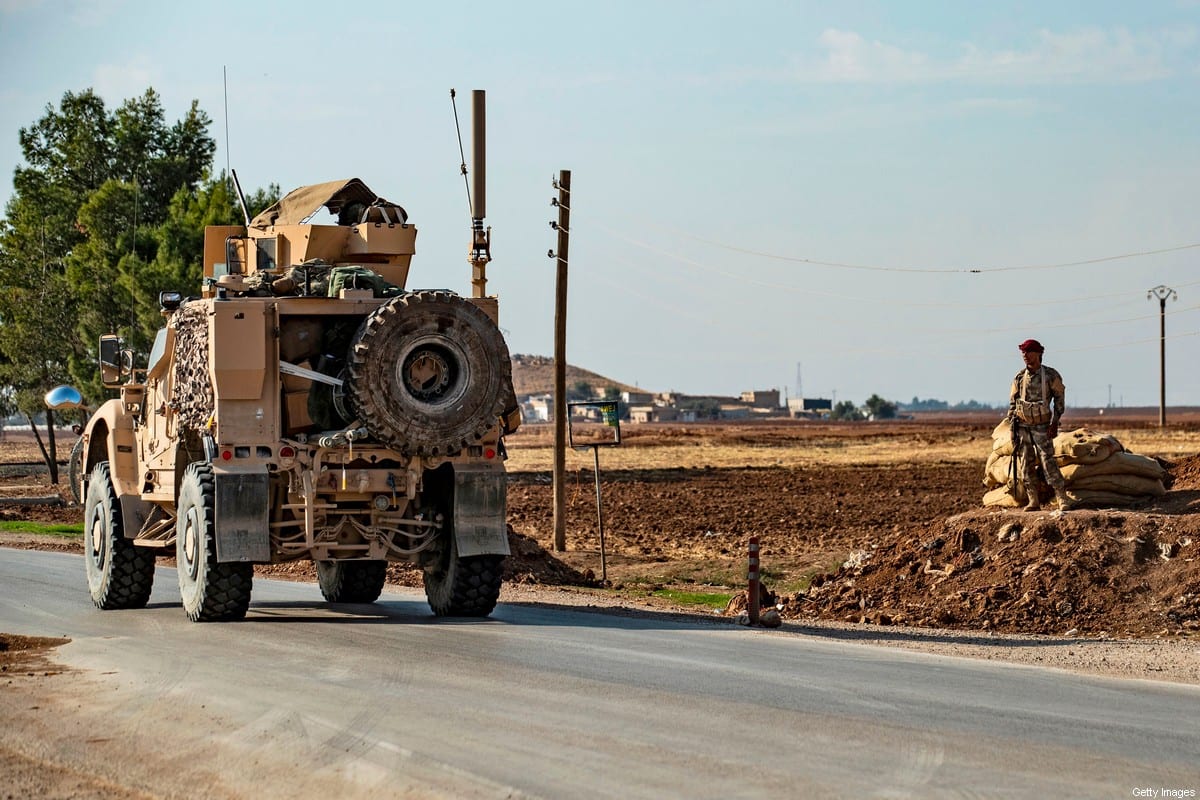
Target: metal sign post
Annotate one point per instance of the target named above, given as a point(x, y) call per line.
point(595, 424)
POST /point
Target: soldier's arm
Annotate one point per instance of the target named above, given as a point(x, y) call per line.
point(1013, 392)
point(1058, 398)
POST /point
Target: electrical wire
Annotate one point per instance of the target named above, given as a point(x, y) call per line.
point(1053, 325)
point(750, 279)
point(931, 270)
point(623, 287)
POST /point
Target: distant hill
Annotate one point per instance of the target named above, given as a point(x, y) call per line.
point(535, 375)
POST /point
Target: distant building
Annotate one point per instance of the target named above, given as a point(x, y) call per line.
point(768, 398)
point(730, 411)
point(810, 404)
point(637, 398)
point(538, 408)
point(652, 414)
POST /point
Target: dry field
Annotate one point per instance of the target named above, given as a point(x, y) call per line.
point(801, 445)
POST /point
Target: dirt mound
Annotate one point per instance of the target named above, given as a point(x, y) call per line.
point(1120, 573)
point(1186, 473)
point(28, 654)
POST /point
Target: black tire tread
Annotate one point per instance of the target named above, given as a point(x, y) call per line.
point(352, 581)
point(476, 589)
point(74, 465)
point(130, 569)
point(225, 595)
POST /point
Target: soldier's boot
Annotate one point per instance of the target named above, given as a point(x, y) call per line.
point(1064, 503)
point(1033, 504)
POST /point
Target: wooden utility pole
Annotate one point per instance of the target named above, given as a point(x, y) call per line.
point(563, 226)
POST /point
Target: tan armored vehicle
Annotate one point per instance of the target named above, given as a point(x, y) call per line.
point(307, 406)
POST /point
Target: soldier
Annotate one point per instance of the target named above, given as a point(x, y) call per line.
point(1035, 407)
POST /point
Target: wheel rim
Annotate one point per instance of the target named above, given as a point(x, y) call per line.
point(429, 372)
point(98, 544)
point(191, 544)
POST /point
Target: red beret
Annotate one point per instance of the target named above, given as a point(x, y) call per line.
point(1031, 344)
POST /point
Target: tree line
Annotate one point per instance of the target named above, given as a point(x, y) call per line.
point(876, 407)
point(108, 209)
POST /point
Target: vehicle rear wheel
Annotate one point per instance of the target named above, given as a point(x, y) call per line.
point(463, 587)
point(212, 591)
point(351, 581)
point(119, 574)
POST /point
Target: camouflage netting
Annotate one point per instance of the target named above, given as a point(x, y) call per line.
point(193, 388)
point(1099, 472)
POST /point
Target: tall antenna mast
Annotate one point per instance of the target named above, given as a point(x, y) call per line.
point(481, 239)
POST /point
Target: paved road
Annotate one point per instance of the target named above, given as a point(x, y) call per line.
point(304, 698)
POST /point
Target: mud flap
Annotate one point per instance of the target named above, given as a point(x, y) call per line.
point(134, 513)
point(241, 525)
point(480, 511)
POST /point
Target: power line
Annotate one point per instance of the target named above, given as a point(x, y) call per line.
point(749, 279)
point(931, 270)
point(1047, 326)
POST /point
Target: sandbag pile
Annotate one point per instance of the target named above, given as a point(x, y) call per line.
point(1099, 472)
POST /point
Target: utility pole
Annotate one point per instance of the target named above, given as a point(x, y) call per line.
point(563, 226)
point(1162, 293)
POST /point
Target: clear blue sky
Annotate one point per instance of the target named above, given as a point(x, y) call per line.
point(713, 148)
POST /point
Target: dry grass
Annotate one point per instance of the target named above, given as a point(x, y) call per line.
point(650, 447)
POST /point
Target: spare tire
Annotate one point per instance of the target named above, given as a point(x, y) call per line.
point(429, 373)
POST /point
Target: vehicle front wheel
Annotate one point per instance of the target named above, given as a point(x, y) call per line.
point(212, 591)
point(351, 581)
point(119, 574)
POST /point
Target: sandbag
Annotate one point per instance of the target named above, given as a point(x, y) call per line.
point(1121, 484)
point(1082, 446)
point(1001, 497)
point(1117, 464)
point(1101, 499)
point(998, 471)
point(1002, 438)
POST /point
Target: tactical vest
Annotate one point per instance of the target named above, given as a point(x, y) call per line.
point(1034, 412)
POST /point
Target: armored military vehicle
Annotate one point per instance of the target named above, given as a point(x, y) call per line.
point(307, 405)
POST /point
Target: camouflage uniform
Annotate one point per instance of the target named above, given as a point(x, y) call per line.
point(1036, 404)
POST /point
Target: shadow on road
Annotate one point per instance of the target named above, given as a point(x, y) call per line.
point(534, 614)
point(521, 614)
point(899, 636)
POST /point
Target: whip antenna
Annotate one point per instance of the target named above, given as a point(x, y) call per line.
point(461, 152)
point(225, 84)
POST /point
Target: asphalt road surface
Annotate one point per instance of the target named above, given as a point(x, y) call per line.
point(307, 699)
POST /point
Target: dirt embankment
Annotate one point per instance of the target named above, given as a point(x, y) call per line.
point(1121, 573)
